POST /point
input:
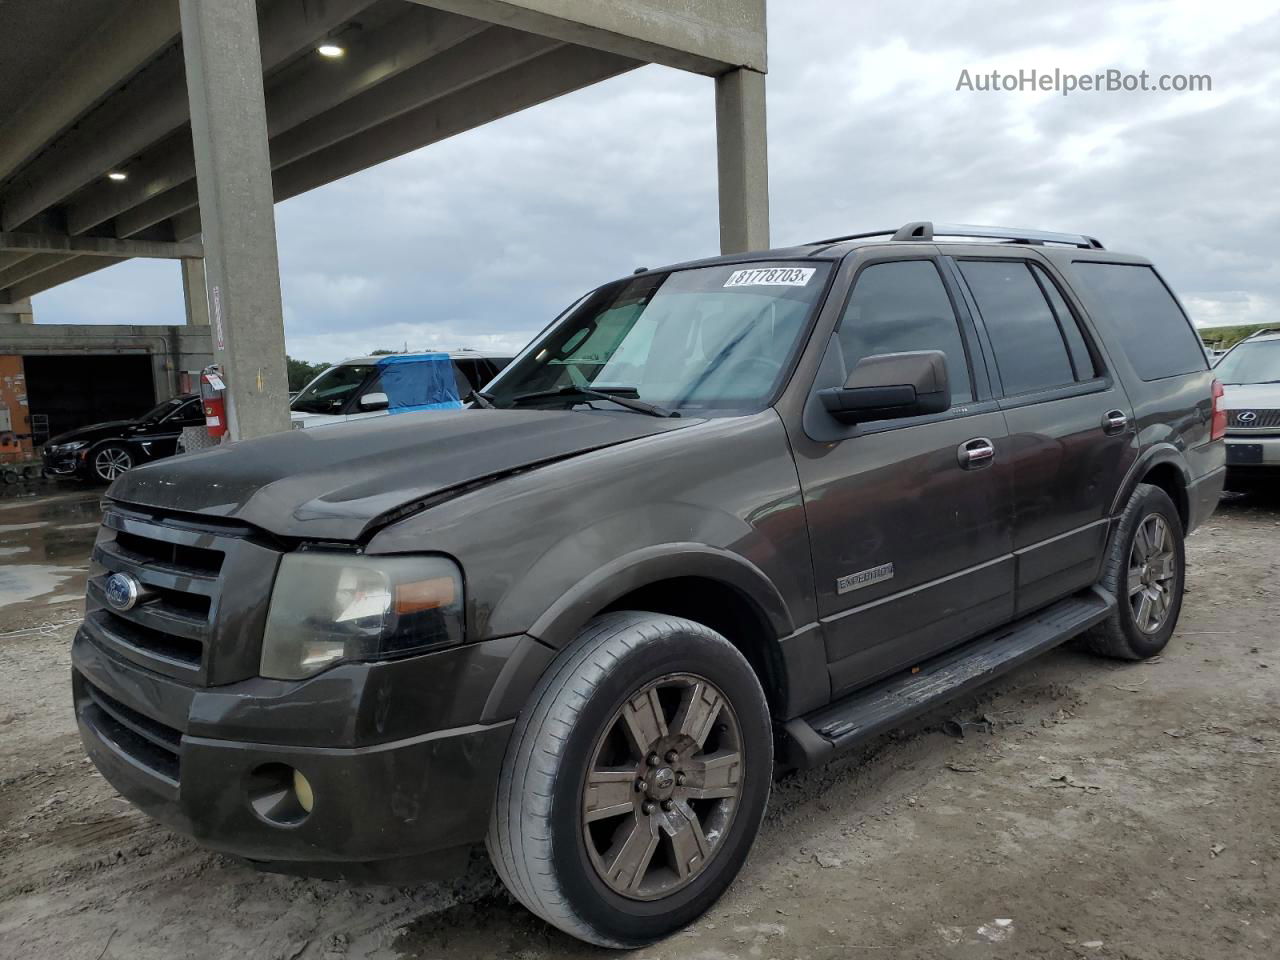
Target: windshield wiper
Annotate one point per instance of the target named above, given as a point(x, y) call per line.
point(623, 396)
point(480, 399)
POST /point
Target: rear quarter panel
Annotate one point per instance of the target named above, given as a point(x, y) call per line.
point(1173, 415)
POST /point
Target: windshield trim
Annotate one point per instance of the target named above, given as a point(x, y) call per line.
point(789, 367)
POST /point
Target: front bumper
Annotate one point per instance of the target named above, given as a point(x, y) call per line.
point(1252, 458)
point(382, 810)
point(62, 464)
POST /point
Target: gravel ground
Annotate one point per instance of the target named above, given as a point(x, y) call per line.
point(1092, 809)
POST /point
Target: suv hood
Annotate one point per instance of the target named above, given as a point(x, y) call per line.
point(1244, 396)
point(332, 483)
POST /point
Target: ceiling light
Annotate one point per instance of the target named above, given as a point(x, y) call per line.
point(117, 175)
point(330, 50)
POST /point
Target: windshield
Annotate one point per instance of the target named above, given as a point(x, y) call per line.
point(329, 392)
point(161, 410)
point(1256, 362)
point(699, 340)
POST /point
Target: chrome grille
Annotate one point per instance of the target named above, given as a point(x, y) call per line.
point(1261, 419)
point(207, 582)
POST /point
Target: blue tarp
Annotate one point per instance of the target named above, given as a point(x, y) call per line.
point(419, 381)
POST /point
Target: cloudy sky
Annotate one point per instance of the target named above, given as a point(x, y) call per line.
point(479, 240)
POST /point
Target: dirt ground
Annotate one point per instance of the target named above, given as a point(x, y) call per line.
point(1091, 810)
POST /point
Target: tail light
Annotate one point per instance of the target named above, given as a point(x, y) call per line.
point(1218, 426)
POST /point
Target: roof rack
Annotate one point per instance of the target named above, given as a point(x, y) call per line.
point(919, 230)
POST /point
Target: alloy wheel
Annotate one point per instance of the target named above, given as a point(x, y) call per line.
point(1153, 567)
point(663, 787)
point(111, 462)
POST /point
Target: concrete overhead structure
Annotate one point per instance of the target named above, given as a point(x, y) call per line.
point(168, 128)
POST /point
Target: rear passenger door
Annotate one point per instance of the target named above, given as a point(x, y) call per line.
point(1071, 433)
point(910, 535)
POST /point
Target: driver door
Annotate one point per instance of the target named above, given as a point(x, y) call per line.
point(911, 534)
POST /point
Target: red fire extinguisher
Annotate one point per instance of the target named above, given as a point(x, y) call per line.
point(213, 399)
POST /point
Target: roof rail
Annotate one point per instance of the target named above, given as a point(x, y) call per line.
point(926, 230)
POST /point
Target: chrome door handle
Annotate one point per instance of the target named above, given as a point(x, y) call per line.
point(1114, 421)
point(975, 453)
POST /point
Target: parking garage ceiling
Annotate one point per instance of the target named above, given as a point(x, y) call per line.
point(97, 147)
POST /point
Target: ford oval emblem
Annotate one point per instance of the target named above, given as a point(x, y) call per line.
point(122, 591)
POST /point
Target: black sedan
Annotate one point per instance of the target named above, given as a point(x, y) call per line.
point(103, 451)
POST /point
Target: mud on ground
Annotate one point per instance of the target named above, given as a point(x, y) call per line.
point(1092, 809)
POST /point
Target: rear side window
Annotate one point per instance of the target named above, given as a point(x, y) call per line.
point(1155, 335)
point(899, 307)
point(1031, 353)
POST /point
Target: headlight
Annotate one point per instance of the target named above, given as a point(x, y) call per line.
point(328, 607)
point(71, 447)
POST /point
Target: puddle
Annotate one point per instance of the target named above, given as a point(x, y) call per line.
point(45, 542)
point(19, 582)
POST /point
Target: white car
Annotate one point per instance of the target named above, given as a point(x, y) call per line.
point(392, 383)
point(1250, 376)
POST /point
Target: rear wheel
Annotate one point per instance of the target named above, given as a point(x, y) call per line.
point(635, 780)
point(111, 461)
point(1146, 571)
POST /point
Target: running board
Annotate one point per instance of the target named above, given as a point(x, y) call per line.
point(812, 739)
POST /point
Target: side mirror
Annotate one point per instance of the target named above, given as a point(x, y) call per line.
point(890, 386)
point(374, 401)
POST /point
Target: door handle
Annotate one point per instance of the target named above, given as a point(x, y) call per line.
point(976, 453)
point(1114, 421)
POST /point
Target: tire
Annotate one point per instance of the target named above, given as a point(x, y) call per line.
point(110, 461)
point(1123, 635)
point(589, 707)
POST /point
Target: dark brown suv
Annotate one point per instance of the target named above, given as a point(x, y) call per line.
point(719, 519)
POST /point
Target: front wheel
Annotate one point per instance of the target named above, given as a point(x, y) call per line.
point(635, 780)
point(111, 461)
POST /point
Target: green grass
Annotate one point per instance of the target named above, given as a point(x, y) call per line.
point(1224, 337)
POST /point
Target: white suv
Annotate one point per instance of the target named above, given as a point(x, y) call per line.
point(392, 383)
point(1250, 374)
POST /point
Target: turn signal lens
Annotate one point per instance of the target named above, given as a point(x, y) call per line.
point(420, 595)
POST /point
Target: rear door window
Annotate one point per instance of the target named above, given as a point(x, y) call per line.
point(899, 307)
point(1151, 327)
point(1031, 353)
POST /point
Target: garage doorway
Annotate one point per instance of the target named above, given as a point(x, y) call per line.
point(77, 390)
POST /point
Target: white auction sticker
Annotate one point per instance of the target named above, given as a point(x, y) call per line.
point(771, 277)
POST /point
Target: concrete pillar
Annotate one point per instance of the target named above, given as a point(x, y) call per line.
point(742, 152)
point(194, 293)
point(233, 174)
point(19, 311)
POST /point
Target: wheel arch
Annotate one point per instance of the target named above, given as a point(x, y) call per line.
point(717, 588)
point(1162, 466)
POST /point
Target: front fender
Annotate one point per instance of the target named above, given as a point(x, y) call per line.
point(562, 621)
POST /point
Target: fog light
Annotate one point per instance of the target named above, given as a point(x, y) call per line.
point(302, 787)
point(279, 794)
